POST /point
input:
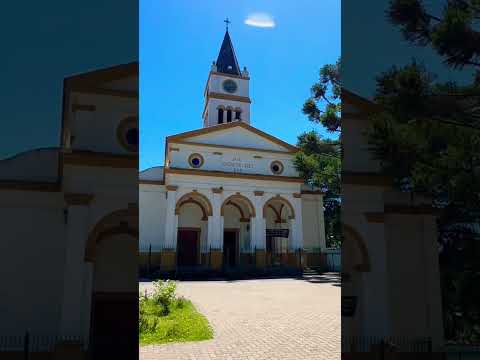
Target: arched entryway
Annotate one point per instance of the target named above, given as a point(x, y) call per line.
point(112, 257)
point(237, 211)
point(279, 213)
point(193, 210)
point(355, 262)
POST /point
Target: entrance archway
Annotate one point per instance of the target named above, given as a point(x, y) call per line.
point(355, 263)
point(192, 210)
point(278, 213)
point(237, 210)
point(112, 251)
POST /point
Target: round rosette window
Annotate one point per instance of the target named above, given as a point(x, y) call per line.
point(127, 133)
point(195, 160)
point(276, 167)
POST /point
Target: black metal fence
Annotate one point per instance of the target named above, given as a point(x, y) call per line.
point(365, 344)
point(28, 343)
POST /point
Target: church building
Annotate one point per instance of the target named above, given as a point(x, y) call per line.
point(228, 196)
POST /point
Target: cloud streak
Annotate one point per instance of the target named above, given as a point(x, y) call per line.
point(262, 20)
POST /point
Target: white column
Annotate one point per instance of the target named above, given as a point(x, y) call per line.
point(297, 224)
point(217, 222)
point(171, 220)
point(259, 225)
point(75, 283)
point(252, 234)
point(210, 233)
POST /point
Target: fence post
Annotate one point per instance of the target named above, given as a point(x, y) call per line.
point(149, 260)
point(26, 345)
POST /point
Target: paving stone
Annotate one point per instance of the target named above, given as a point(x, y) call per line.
point(261, 319)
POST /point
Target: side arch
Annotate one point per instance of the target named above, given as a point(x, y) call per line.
point(350, 234)
point(241, 198)
point(124, 221)
point(196, 198)
point(284, 201)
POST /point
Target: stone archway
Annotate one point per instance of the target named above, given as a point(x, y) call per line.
point(192, 210)
point(112, 256)
point(355, 264)
point(278, 213)
point(237, 211)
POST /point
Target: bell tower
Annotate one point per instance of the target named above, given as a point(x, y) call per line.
point(227, 90)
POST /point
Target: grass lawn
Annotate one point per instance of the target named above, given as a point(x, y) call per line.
point(182, 323)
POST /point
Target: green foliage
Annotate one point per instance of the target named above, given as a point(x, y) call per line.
point(326, 91)
point(319, 163)
point(427, 136)
point(164, 318)
point(164, 293)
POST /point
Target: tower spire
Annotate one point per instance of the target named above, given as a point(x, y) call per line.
point(227, 61)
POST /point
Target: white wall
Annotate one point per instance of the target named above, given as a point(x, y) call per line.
point(32, 256)
point(97, 130)
point(152, 205)
point(229, 159)
point(313, 222)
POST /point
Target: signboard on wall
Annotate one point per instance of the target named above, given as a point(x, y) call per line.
point(277, 233)
point(236, 163)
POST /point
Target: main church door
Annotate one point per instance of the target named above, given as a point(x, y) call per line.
point(230, 248)
point(188, 246)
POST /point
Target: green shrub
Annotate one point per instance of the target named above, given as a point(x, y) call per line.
point(164, 293)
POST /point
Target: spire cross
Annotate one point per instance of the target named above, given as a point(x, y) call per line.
point(226, 21)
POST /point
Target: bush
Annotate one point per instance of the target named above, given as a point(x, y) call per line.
point(164, 293)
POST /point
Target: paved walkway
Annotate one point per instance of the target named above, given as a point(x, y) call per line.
point(261, 319)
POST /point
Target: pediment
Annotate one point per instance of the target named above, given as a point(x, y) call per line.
point(236, 135)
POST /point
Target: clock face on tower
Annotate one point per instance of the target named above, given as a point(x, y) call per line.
point(229, 86)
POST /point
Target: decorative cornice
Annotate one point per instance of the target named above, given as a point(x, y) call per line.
point(230, 75)
point(171, 187)
point(197, 144)
point(224, 174)
point(215, 95)
point(88, 158)
point(220, 127)
point(151, 182)
point(217, 190)
point(78, 199)
point(258, 193)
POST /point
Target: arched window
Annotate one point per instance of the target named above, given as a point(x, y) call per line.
point(220, 116)
point(229, 115)
point(237, 114)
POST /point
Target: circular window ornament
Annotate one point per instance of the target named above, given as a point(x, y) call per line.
point(229, 86)
point(276, 167)
point(127, 133)
point(195, 160)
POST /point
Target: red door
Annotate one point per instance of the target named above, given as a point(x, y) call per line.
point(187, 247)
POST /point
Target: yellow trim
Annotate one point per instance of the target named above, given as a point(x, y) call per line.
point(282, 199)
point(225, 126)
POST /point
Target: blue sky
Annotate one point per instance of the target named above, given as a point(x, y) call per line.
point(179, 39)
point(44, 45)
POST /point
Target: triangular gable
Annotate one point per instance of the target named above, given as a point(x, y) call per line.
point(236, 134)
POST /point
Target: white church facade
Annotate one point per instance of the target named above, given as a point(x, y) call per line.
point(228, 195)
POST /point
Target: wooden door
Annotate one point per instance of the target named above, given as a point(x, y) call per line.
point(187, 247)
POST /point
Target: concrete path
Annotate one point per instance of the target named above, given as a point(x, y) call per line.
point(261, 319)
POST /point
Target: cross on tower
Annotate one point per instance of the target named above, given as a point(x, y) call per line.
point(226, 21)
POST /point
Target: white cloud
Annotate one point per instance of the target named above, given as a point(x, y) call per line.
point(262, 20)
